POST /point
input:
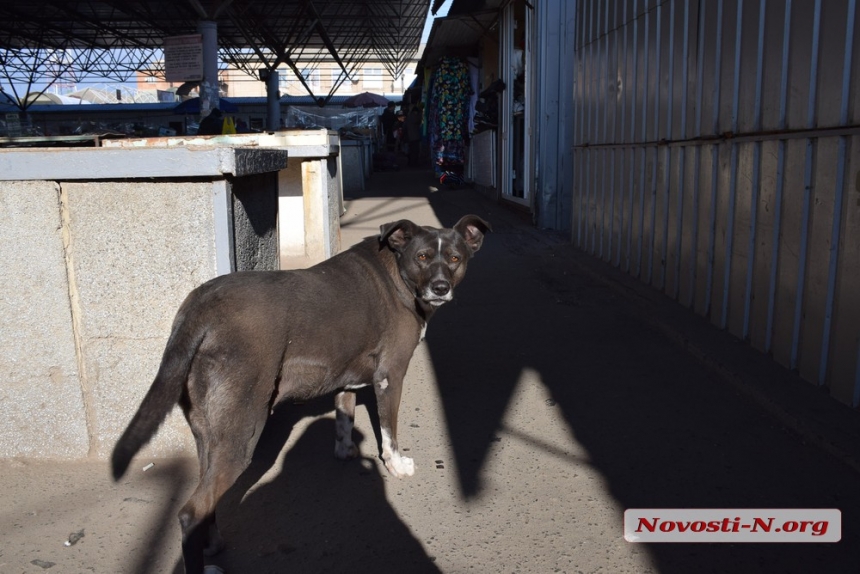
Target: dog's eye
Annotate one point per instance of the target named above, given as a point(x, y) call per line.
point(422, 257)
point(455, 259)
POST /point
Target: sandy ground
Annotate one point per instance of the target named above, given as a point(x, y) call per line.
point(551, 395)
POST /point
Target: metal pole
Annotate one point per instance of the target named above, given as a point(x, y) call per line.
point(682, 161)
point(839, 192)
point(658, 40)
point(733, 175)
point(634, 90)
point(623, 87)
point(756, 180)
point(667, 189)
point(209, 86)
point(273, 101)
point(806, 213)
point(715, 156)
point(644, 163)
point(780, 182)
point(697, 161)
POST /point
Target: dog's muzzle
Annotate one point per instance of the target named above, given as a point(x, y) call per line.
point(438, 293)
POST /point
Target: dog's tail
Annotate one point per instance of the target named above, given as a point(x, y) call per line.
point(162, 396)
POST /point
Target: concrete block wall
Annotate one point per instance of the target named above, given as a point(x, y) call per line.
point(310, 203)
point(41, 403)
point(310, 189)
point(255, 221)
point(352, 166)
point(95, 289)
point(135, 251)
point(93, 273)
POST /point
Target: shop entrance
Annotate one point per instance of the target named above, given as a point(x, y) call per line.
point(517, 111)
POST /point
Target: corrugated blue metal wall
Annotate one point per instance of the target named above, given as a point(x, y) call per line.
point(556, 32)
point(716, 158)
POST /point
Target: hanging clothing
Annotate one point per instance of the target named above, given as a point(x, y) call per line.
point(450, 94)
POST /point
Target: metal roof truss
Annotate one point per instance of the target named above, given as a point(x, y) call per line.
point(45, 40)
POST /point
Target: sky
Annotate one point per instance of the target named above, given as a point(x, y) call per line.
point(443, 11)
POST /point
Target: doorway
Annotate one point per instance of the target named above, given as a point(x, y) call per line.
point(517, 113)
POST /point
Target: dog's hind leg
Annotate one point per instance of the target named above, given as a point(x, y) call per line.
point(388, 393)
point(344, 408)
point(226, 435)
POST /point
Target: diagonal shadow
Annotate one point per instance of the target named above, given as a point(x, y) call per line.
point(315, 513)
point(173, 477)
point(658, 425)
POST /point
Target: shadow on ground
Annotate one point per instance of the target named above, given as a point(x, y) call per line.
point(664, 430)
point(333, 514)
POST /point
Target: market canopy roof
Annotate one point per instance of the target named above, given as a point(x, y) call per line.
point(117, 38)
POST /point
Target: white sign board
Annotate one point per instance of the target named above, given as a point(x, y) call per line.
point(183, 58)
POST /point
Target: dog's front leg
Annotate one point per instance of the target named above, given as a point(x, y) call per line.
point(344, 409)
point(388, 402)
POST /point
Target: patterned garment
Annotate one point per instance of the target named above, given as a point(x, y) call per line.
point(449, 153)
point(449, 110)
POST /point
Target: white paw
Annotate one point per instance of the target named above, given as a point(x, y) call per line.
point(400, 466)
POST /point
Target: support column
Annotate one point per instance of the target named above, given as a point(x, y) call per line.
point(209, 86)
point(273, 101)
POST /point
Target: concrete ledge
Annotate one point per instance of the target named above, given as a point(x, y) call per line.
point(299, 143)
point(122, 163)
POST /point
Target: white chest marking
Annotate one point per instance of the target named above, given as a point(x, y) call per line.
point(354, 387)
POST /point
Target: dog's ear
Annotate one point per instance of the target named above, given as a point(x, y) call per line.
point(472, 228)
point(397, 234)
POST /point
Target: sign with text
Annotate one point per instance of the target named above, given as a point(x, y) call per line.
point(183, 58)
point(733, 525)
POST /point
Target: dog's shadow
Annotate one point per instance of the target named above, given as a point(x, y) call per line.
point(317, 514)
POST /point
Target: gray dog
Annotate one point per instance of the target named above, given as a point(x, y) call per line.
point(244, 342)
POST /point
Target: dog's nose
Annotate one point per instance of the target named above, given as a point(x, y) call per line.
point(440, 288)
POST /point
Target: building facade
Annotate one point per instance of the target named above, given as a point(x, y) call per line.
point(323, 78)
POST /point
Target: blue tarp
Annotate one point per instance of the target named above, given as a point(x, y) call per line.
point(192, 106)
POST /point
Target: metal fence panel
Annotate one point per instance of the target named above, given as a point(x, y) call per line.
point(716, 158)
